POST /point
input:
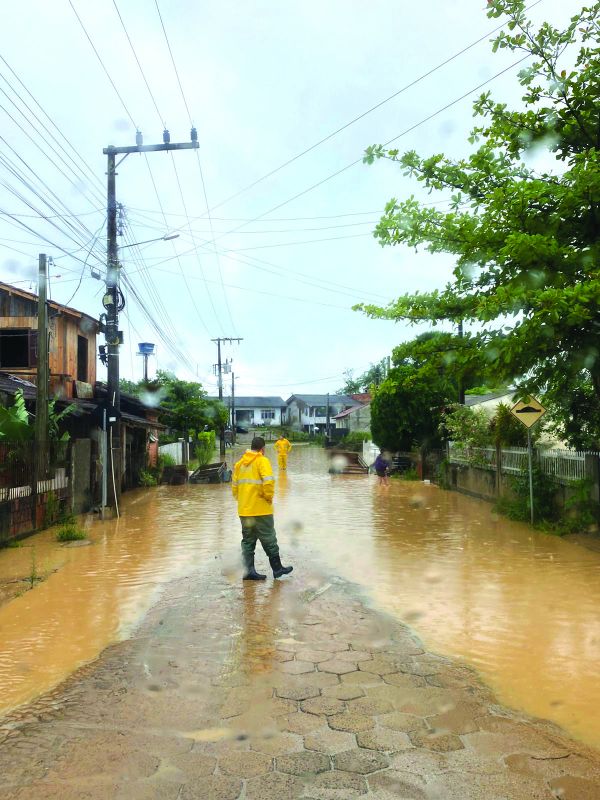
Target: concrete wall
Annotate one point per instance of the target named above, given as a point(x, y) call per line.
point(489, 485)
point(81, 481)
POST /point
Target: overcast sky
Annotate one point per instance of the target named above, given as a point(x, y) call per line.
point(263, 81)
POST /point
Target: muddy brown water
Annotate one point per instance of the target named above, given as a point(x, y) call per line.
point(520, 606)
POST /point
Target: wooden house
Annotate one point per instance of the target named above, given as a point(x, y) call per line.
point(71, 343)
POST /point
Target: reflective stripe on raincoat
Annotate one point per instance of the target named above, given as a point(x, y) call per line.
point(253, 485)
point(282, 446)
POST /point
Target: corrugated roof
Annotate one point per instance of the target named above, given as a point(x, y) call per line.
point(321, 399)
point(12, 383)
point(7, 287)
point(352, 410)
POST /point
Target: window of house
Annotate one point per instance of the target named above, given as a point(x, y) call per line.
point(18, 348)
point(265, 414)
point(82, 359)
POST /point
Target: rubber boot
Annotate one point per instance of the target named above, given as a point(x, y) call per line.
point(278, 569)
point(250, 573)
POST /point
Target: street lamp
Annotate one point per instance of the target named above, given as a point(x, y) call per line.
point(95, 272)
point(166, 238)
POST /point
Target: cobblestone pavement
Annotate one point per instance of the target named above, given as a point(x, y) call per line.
point(290, 689)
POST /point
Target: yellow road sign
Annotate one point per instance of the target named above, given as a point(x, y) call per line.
point(528, 413)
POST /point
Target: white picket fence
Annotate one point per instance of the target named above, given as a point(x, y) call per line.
point(563, 465)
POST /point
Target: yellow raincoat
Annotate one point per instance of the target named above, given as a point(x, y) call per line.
point(283, 447)
point(253, 485)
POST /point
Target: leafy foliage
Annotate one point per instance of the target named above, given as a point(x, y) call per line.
point(70, 533)
point(16, 426)
point(526, 240)
point(467, 427)
point(205, 447)
point(373, 376)
point(508, 431)
point(14, 421)
point(544, 498)
point(405, 410)
point(183, 405)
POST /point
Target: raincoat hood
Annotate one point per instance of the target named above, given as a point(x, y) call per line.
point(250, 456)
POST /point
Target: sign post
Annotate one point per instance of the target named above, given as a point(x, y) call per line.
point(528, 413)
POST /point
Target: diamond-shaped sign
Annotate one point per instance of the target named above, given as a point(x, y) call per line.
point(528, 413)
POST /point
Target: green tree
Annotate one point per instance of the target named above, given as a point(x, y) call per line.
point(408, 406)
point(526, 241)
point(405, 410)
point(373, 376)
point(184, 405)
point(16, 425)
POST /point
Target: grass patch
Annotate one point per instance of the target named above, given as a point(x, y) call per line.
point(408, 475)
point(70, 533)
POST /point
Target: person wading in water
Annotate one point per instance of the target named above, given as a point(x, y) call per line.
point(253, 486)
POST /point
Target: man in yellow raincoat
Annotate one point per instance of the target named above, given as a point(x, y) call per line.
point(253, 486)
point(283, 447)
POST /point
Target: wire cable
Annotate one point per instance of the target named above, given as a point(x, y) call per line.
point(385, 144)
point(162, 119)
point(96, 235)
point(106, 72)
point(365, 113)
point(202, 181)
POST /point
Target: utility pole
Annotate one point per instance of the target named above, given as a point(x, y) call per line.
point(461, 385)
point(41, 405)
point(40, 451)
point(113, 301)
point(233, 408)
point(219, 370)
point(327, 423)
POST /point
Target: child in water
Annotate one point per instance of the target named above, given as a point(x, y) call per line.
point(382, 467)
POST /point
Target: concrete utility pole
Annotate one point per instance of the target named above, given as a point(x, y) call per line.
point(461, 385)
point(113, 301)
point(219, 370)
point(41, 405)
point(40, 451)
point(328, 422)
point(233, 408)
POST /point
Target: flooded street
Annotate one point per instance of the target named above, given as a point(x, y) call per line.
point(519, 606)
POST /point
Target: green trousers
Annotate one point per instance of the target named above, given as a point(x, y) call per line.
point(259, 528)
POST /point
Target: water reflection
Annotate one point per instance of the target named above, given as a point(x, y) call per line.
point(520, 606)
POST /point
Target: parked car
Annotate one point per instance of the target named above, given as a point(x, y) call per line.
point(240, 429)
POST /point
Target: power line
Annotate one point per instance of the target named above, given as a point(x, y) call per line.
point(162, 120)
point(286, 219)
point(173, 62)
point(261, 291)
point(106, 72)
point(197, 257)
point(70, 145)
point(176, 254)
point(365, 113)
point(96, 235)
point(304, 241)
point(385, 144)
point(160, 116)
point(202, 181)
